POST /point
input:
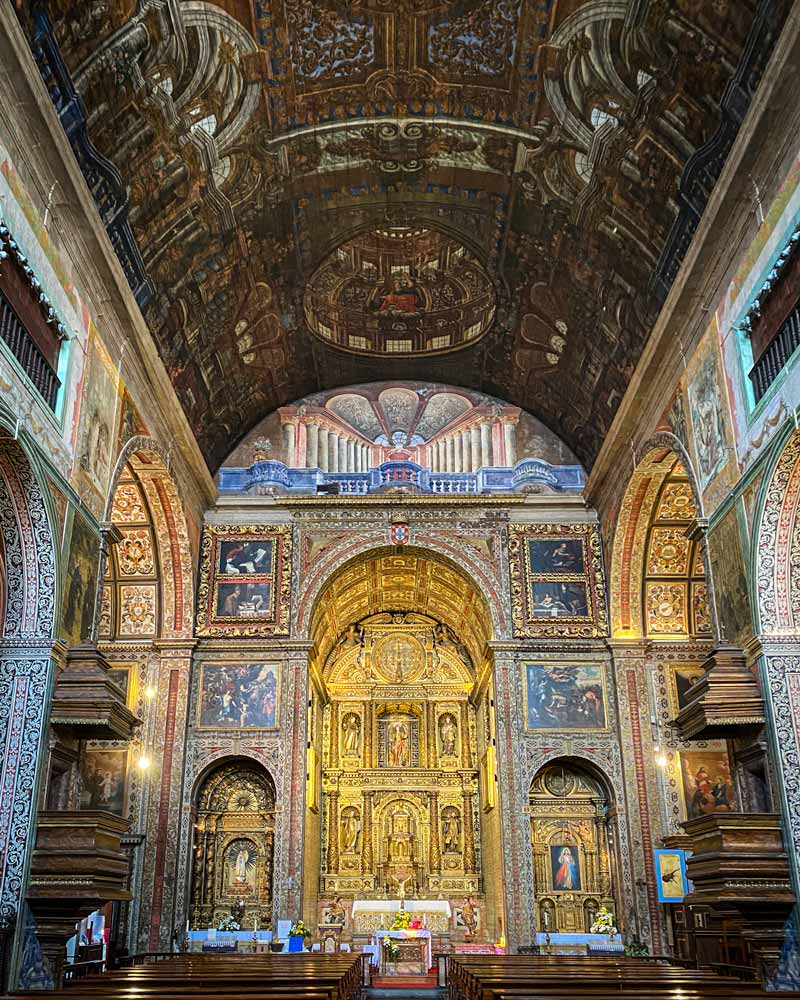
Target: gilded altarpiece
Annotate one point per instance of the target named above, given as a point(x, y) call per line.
point(571, 857)
point(234, 846)
point(400, 807)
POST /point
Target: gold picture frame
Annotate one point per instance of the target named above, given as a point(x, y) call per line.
point(559, 697)
point(680, 678)
point(244, 695)
point(557, 581)
point(249, 594)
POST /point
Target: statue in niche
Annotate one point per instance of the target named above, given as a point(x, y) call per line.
point(350, 830)
point(398, 744)
point(448, 736)
point(352, 636)
point(469, 916)
point(241, 861)
point(451, 831)
point(351, 734)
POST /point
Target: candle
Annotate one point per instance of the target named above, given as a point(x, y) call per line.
point(187, 925)
point(255, 922)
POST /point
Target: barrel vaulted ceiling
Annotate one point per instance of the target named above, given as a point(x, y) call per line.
point(488, 193)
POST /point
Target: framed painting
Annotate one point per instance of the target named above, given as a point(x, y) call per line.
point(245, 581)
point(564, 696)
point(242, 557)
point(123, 675)
point(80, 582)
point(239, 696)
point(671, 882)
point(559, 600)
point(244, 600)
point(555, 556)
point(706, 782)
point(103, 774)
point(682, 678)
point(565, 868)
point(556, 581)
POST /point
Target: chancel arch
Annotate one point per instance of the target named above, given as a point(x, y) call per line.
point(399, 643)
point(573, 840)
point(233, 845)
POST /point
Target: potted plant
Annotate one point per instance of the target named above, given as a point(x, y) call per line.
point(604, 923)
point(391, 951)
point(229, 923)
point(298, 933)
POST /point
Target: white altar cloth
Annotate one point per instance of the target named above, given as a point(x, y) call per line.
point(370, 915)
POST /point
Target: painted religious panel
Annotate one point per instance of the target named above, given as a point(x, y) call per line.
point(245, 581)
point(398, 741)
point(81, 581)
point(557, 580)
point(102, 775)
point(706, 409)
point(239, 696)
point(98, 412)
point(562, 696)
point(565, 868)
point(124, 676)
point(706, 782)
point(240, 868)
point(671, 881)
point(682, 678)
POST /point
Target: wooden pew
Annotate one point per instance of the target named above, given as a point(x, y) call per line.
point(546, 977)
point(229, 977)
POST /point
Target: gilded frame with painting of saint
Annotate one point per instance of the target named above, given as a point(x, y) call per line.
point(245, 581)
point(556, 580)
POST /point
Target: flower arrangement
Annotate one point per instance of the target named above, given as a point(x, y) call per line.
point(402, 921)
point(604, 922)
point(392, 949)
point(299, 929)
point(229, 923)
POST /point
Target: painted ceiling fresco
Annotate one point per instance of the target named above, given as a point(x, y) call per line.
point(568, 146)
point(437, 426)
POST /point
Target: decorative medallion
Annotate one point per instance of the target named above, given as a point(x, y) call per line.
point(399, 658)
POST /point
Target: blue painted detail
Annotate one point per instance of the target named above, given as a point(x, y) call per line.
point(530, 475)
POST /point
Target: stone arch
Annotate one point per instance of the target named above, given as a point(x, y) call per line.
point(233, 844)
point(592, 838)
point(31, 592)
point(776, 555)
point(153, 465)
point(655, 462)
point(776, 570)
point(371, 544)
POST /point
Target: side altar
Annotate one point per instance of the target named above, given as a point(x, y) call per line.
point(371, 915)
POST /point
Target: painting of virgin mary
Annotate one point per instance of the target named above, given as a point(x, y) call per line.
point(565, 868)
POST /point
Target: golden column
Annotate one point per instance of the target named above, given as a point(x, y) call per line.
point(334, 734)
point(366, 838)
point(432, 743)
point(333, 832)
point(469, 834)
point(368, 760)
point(436, 852)
point(466, 760)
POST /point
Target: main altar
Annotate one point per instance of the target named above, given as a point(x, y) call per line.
point(401, 763)
point(373, 915)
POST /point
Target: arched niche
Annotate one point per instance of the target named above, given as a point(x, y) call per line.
point(661, 585)
point(234, 835)
point(400, 640)
point(573, 840)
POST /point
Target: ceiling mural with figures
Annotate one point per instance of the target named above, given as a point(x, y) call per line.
point(490, 193)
